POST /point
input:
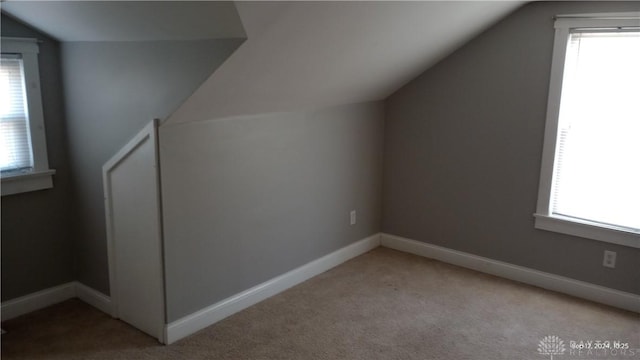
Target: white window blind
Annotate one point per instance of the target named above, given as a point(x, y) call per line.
point(15, 139)
point(597, 162)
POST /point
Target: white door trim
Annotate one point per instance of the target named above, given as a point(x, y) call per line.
point(148, 133)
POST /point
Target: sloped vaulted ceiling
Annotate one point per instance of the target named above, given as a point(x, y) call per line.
point(306, 55)
point(129, 20)
point(299, 55)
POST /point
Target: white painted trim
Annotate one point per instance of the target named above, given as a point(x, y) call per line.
point(37, 300)
point(547, 168)
point(598, 21)
point(589, 230)
point(29, 49)
point(615, 15)
point(41, 299)
point(210, 315)
point(581, 289)
point(148, 132)
point(544, 218)
point(93, 297)
point(20, 45)
point(17, 183)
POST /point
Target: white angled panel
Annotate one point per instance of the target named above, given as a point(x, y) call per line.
point(134, 232)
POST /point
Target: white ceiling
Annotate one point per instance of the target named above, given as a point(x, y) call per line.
point(129, 20)
point(299, 55)
point(306, 55)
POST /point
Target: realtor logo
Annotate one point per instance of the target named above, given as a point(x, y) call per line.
point(551, 345)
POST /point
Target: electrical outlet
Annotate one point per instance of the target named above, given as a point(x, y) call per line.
point(609, 259)
point(352, 217)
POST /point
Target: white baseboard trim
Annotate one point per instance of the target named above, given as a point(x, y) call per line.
point(47, 297)
point(581, 289)
point(37, 300)
point(94, 298)
point(210, 315)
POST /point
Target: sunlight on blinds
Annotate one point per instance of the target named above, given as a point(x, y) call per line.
point(15, 143)
point(597, 171)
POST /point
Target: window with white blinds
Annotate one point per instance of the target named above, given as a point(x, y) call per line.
point(24, 164)
point(590, 173)
point(15, 140)
point(597, 165)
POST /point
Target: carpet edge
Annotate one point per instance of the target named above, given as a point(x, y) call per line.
point(210, 315)
point(581, 289)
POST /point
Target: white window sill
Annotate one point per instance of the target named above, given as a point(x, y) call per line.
point(16, 183)
point(589, 230)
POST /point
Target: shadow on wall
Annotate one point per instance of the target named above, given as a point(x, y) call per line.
point(37, 247)
point(247, 199)
point(112, 90)
point(463, 144)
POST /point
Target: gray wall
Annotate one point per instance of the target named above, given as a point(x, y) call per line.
point(463, 144)
point(36, 243)
point(113, 89)
point(250, 198)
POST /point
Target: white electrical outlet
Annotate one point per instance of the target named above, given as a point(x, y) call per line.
point(609, 259)
point(352, 217)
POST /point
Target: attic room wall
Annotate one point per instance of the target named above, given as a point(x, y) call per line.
point(112, 90)
point(248, 198)
point(463, 145)
point(36, 243)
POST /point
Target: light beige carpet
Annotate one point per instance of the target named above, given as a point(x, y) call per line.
point(381, 305)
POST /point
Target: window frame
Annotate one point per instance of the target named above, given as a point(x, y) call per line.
point(41, 176)
point(544, 219)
